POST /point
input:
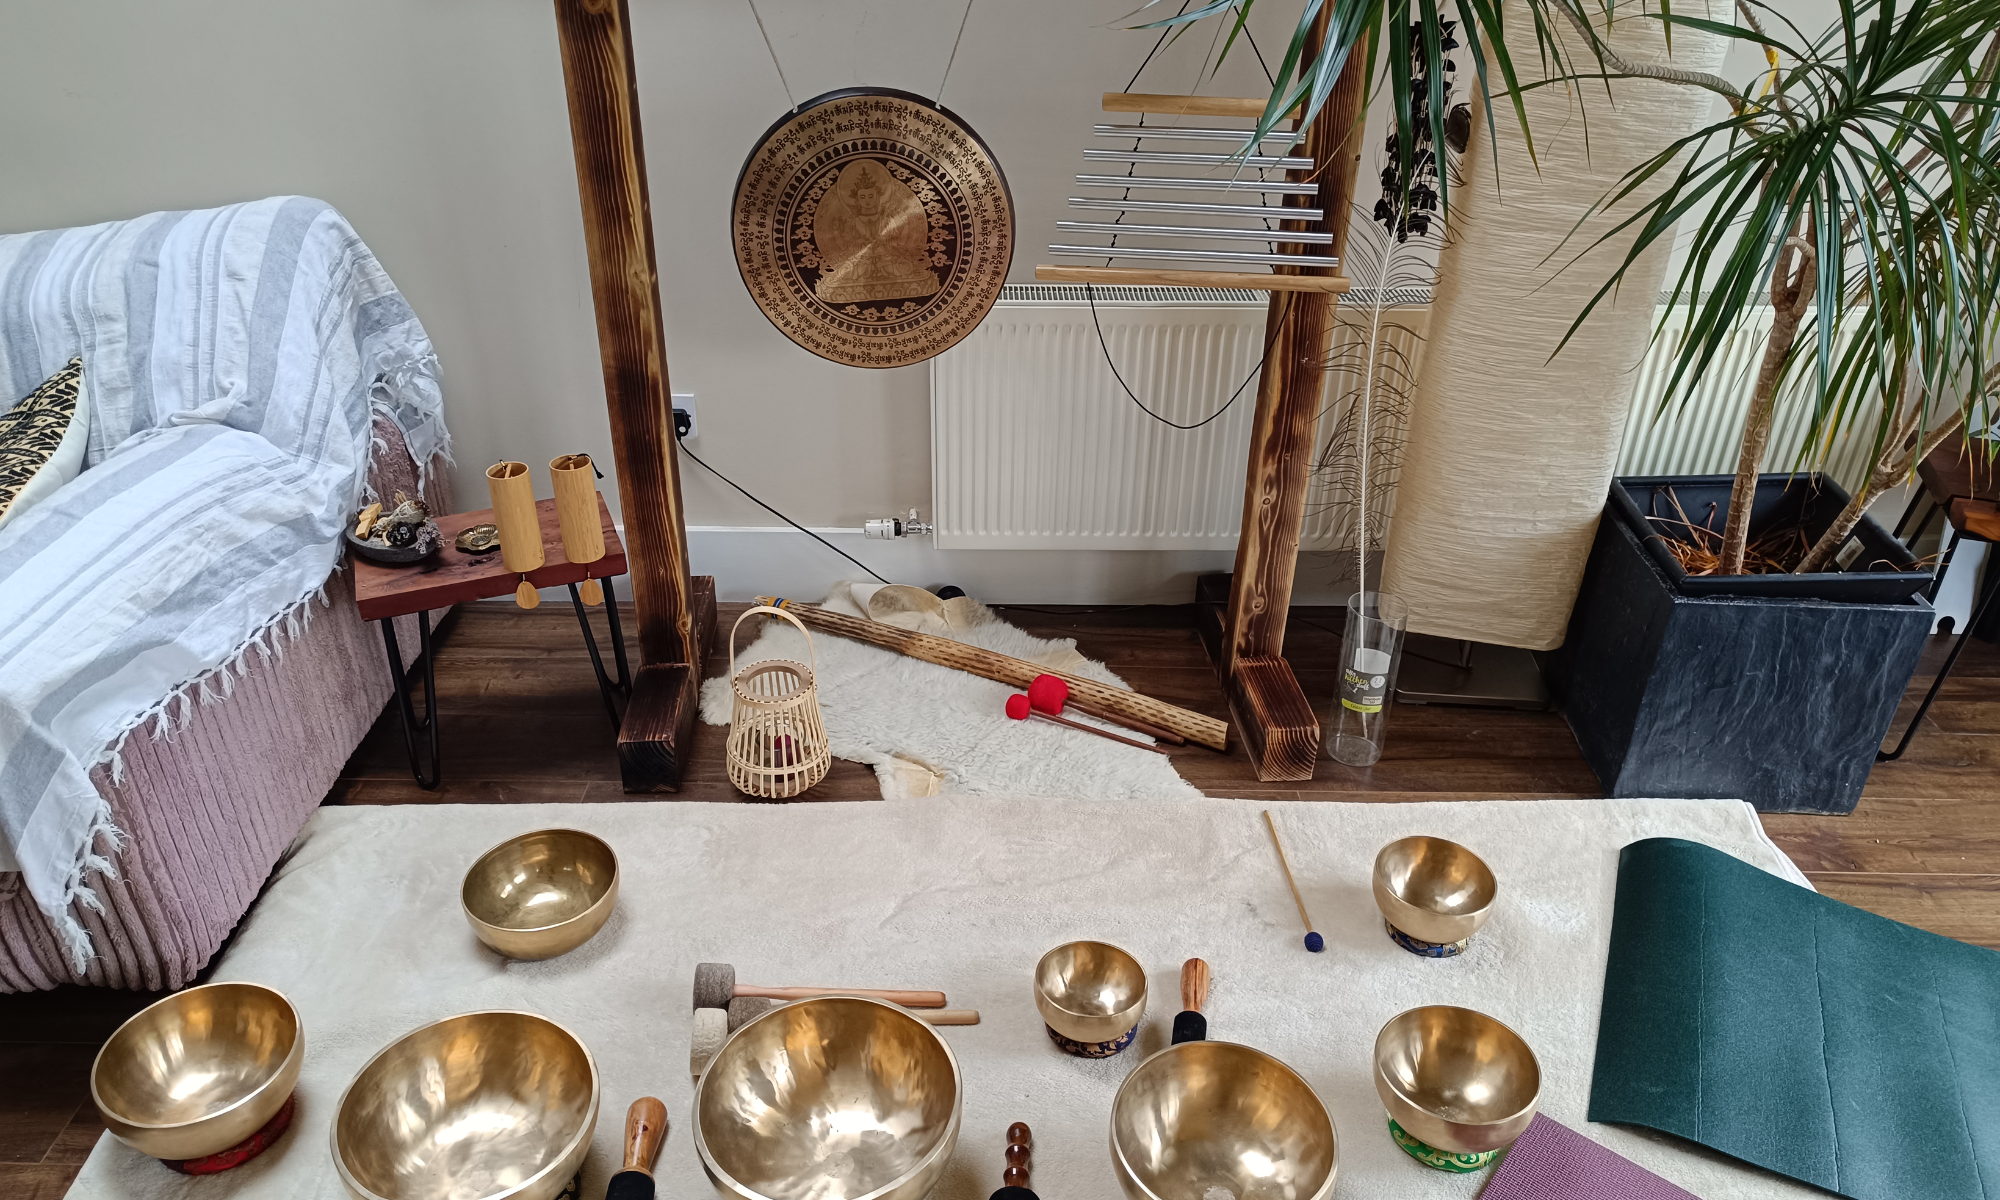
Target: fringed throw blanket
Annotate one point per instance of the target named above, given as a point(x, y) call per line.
point(232, 360)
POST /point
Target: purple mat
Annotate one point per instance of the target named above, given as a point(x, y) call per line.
point(1554, 1162)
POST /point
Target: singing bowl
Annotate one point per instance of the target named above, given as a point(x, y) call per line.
point(834, 1098)
point(200, 1071)
point(1090, 991)
point(1433, 889)
point(1456, 1079)
point(1203, 1116)
point(483, 1106)
point(541, 894)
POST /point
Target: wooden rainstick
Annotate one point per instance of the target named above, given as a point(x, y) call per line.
point(1196, 728)
point(1279, 730)
point(596, 41)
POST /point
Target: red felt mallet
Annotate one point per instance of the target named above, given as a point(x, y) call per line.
point(1019, 709)
point(1049, 694)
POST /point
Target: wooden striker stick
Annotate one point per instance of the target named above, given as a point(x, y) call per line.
point(1293, 883)
point(1088, 694)
point(906, 999)
point(1103, 733)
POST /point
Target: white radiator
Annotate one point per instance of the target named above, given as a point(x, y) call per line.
point(1034, 445)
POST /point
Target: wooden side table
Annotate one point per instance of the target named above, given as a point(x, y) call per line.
point(453, 576)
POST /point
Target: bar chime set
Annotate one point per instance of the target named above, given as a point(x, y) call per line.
point(1245, 175)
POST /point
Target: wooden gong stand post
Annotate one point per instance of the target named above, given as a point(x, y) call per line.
point(1271, 711)
point(676, 614)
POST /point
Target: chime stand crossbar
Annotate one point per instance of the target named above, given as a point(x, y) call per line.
point(676, 613)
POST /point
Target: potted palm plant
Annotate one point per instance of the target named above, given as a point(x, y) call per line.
point(1751, 635)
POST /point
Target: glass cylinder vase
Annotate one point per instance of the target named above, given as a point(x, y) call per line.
point(1370, 652)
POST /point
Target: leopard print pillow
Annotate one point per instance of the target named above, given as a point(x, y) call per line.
point(41, 441)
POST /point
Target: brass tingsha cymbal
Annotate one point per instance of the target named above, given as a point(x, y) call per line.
point(873, 227)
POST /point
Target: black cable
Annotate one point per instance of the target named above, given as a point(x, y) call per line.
point(1090, 294)
point(774, 512)
point(1071, 612)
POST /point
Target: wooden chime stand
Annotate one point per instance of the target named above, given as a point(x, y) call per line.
point(676, 614)
point(1246, 638)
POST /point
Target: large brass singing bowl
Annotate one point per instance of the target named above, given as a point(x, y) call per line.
point(1090, 991)
point(484, 1106)
point(200, 1071)
point(1433, 889)
point(1203, 1116)
point(835, 1098)
point(541, 894)
point(1456, 1079)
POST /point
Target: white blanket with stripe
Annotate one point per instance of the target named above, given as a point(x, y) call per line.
point(232, 360)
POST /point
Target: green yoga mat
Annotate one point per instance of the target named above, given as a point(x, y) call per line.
point(1798, 1033)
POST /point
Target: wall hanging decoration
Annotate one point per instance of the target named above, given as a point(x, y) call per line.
point(520, 527)
point(873, 227)
point(576, 515)
point(777, 741)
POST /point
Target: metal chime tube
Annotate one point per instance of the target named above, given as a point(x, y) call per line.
point(1197, 208)
point(1272, 187)
point(1199, 231)
point(1239, 256)
point(1186, 158)
point(1172, 133)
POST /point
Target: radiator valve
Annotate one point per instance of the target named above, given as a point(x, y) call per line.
point(884, 528)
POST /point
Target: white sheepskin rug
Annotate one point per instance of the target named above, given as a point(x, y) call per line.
point(928, 729)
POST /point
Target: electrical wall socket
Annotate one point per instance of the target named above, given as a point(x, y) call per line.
point(684, 406)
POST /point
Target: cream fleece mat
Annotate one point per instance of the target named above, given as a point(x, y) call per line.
point(930, 730)
point(361, 928)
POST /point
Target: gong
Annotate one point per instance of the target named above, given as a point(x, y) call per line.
point(873, 227)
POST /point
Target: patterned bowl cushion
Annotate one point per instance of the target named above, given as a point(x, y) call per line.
point(42, 441)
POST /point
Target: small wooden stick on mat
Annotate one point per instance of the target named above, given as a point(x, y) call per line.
point(1314, 942)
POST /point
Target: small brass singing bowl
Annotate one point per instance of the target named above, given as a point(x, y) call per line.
point(1433, 890)
point(541, 894)
point(200, 1071)
point(1456, 1079)
point(1092, 994)
point(834, 1098)
point(483, 1106)
point(1203, 1116)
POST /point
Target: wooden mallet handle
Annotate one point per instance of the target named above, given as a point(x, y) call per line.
point(1189, 1024)
point(906, 999)
point(949, 1016)
point(1019, 709)
point(1049, 694)
point(645, 1130)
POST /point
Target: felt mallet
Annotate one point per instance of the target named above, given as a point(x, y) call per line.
point(1020, 709)
point(645, 1130)
point(715, 986)
point(1049, 694)
point(1020, 1164)
point(1189, 1024)
point(1314, 942)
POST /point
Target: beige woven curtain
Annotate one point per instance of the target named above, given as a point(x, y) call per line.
point(1510, 454)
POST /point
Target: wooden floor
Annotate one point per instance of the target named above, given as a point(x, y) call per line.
point(522, 722)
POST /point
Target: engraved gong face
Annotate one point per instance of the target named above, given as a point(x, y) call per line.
point(873, 227)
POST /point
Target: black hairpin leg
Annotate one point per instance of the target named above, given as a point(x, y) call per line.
point(1950, 660)
point(612, 692)
point(401, 678)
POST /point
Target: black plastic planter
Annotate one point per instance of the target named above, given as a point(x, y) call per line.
point(1781, 701)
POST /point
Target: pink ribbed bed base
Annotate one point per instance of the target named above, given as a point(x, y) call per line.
point(208, 812)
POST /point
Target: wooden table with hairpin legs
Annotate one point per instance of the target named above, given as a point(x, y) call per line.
point(454, 576)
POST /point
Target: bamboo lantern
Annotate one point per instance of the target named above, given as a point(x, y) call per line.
point(576, 516)
point(520, 528)
point(777, 742)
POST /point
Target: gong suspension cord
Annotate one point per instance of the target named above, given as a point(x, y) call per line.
point(774, 57)
point(1090, 294)
point(939, 101)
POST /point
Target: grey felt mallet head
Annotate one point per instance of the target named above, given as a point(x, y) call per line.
point(745, 1009)
point(714, 985)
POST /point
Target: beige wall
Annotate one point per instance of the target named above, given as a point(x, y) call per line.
point(438, 127)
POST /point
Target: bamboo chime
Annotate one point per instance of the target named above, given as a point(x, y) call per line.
point(576, 513)
point(519, 524)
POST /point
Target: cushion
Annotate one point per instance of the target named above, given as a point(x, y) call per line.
point(42, 441)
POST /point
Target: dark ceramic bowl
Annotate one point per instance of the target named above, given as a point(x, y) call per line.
point(428, 542)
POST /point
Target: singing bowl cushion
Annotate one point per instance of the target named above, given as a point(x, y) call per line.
point(42, 440)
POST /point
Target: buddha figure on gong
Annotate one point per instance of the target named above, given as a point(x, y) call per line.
point(872, 234)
